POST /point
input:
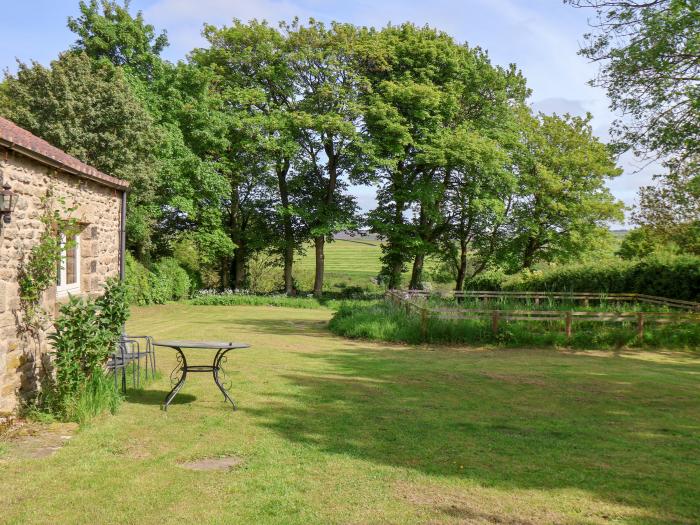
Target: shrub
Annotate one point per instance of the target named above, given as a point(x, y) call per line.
point(138, 283)
point(675, 277)
point(231, 298)
point(168, 281)
point(113, 307)
point(491, 280)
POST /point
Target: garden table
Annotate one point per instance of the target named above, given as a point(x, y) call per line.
point(221, 348)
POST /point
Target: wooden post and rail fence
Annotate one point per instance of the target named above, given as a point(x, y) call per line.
point(416, 301)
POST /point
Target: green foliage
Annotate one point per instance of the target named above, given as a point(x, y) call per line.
point(233, 299)
point(138, 282)
point(563, 202)
point(649, 66)
point(84, 335)
point(668, 212)
point(89, 110)
point(113, 306)
point(641, 242)
point(166, 281)
point(169, 281)
point(486, 281)
point(384, 322)
point(676, 277)
point(38, 272)
point(106, 30)
point(96, 397)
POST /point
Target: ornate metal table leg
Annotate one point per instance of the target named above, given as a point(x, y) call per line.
point(220, 358)
point(181, 365)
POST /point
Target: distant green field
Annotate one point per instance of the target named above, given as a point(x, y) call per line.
point(348, 263)
point(354, 259)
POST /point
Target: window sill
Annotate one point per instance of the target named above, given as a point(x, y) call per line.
point(66, 291)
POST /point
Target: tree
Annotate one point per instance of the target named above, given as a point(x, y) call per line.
point(426, 91)
point(406, 111)
point(89, 110)
point(328, 115)
point(478, 201)
point(107, 30)
point(561, 202)
point(670, 209)
point(183, 106)
point(252, 61)
point(650, 67)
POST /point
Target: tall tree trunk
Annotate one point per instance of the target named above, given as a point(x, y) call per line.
point(239, 267)
point(395, 249)
point(529, 253)
point(419, 259)
point(287, 227)
point(236, 235)
point(417, 272)
point(319, 243)
point(395, 274)
point(225, 273)
point(462, 267)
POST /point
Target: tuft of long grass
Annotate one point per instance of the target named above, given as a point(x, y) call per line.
point(97, 397)
point(384, 322)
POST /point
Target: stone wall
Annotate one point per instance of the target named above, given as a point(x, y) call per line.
point(99, 214)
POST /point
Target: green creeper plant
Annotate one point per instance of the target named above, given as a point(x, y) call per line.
point(38, 272)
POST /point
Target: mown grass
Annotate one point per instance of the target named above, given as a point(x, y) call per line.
point(338, 431)
point(382, 321)
point(329, 300)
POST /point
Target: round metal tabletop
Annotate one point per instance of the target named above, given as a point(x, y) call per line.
point(214, 345)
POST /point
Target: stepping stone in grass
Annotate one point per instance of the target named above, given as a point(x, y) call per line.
point(219, 463)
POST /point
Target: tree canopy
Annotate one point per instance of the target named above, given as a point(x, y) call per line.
point(246, 150)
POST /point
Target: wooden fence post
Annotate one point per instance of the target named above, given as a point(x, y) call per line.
point(424, 324)
point(640, 325)
point(494, 321)
point(568, 324)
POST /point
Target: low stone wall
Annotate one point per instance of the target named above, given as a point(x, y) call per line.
point(99, 215)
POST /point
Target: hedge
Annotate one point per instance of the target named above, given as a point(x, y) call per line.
point(167, 281)
point(676, 277)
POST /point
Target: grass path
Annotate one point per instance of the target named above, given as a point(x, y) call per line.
point(338, 431)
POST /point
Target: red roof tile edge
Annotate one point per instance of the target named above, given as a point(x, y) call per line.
point(24, 142)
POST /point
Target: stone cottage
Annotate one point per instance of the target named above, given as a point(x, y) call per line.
point(29, 167)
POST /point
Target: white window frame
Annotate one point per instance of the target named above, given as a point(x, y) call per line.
point(63, 289)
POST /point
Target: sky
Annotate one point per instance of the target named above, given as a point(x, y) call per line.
point(542, 37)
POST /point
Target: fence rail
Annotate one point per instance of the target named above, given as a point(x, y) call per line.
point(585, 297)
point(407, 299)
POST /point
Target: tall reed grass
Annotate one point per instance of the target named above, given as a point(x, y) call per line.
point(382, 321)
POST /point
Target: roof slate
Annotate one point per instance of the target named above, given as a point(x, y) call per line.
point(19, 139)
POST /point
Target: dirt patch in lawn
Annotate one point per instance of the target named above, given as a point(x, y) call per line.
point(27, 440)
point(218, 463)
point(483, 505)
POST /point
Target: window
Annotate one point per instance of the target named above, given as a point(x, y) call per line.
point(68, 274)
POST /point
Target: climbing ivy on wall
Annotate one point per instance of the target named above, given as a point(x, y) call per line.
point(37, 272)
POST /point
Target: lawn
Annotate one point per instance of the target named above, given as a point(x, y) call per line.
point(337, 431)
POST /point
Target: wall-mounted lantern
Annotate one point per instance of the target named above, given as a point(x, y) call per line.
point(8, 201)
